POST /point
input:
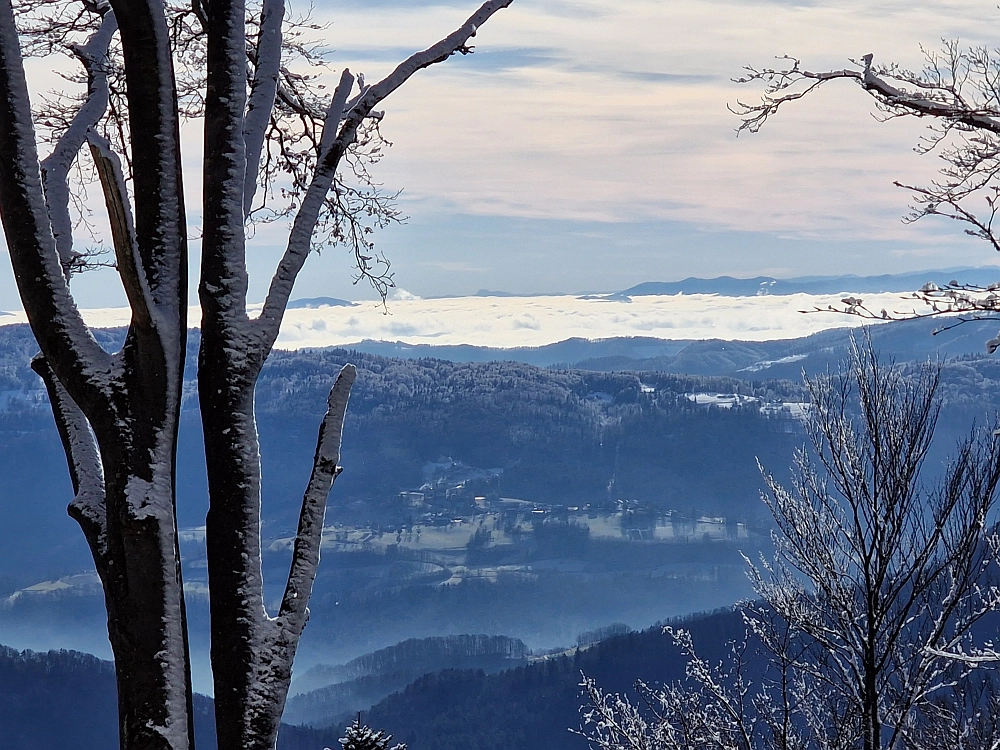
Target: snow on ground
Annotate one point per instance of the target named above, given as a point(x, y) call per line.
point(506, 322)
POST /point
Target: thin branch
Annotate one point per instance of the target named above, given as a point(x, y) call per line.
point(116, 199)
point(300, 238)
point(55, 167)
point(958, 303)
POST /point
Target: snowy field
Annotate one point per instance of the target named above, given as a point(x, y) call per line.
point(506, 322)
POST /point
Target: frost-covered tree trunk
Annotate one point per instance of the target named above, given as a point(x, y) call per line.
point(252, 652)
point(117, 414)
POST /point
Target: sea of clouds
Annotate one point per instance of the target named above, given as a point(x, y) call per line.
point(507, 322)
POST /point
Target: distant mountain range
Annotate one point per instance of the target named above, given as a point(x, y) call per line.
point(311, 303)
point(746, 360)
point(728, 286)
point(731, 286)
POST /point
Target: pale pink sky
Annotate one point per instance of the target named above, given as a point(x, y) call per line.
point(587, 146)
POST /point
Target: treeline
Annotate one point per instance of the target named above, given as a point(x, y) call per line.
point(362, 682)
point(422, 654)
point(65, 699)
point(535, 706)
point(570, 437)
point(558, 436)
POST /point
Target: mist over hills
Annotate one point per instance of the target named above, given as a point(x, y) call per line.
point(530, 706)
point(478, 496)
point(730, 286)
point(536, 503)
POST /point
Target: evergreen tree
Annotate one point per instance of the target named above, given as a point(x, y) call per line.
point(362, 737)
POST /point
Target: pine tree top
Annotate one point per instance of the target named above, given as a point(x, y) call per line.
point(362, 737)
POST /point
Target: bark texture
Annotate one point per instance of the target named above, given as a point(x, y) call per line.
point(117, 414)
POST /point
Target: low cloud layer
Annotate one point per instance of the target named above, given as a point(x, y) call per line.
point(507, 322)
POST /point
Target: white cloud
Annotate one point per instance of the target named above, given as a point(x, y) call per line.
point(534, 321)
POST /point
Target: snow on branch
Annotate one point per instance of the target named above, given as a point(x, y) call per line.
point(956, 92)
point(263, 89)
point(926, 98)
point(83, 457)
point(300, 237)
point(154, 145)
point(55, 167)
point(73, 354)
point(954, 303)
point(303, 227)
point(326, 468)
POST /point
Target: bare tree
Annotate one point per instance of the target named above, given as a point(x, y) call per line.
point(867, 610)
point(958, 93)
point(147, 66)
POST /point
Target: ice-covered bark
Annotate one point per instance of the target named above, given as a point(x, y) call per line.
point(252, 653)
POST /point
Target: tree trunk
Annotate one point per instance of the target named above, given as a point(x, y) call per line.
point(240, 625)
point(117, 414)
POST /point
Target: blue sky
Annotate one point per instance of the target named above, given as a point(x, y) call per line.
point(587, 146)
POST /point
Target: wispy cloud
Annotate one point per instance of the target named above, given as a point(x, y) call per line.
point(617, 111)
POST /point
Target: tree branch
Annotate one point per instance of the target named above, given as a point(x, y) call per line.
point(300, 238)
point(299, 242)
point(224, 281)
point(326, 469)
point(931, 100)
point(154, 127)
point(76, 358)
point(133, 276)
point(85, 467)
point(263, 90)
point(55, 167)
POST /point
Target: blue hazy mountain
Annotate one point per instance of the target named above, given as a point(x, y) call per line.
point(748, 360)
point(728, 286)
point(566, 352)
point(324, 694)
point(65, 699)
point(312, 303)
